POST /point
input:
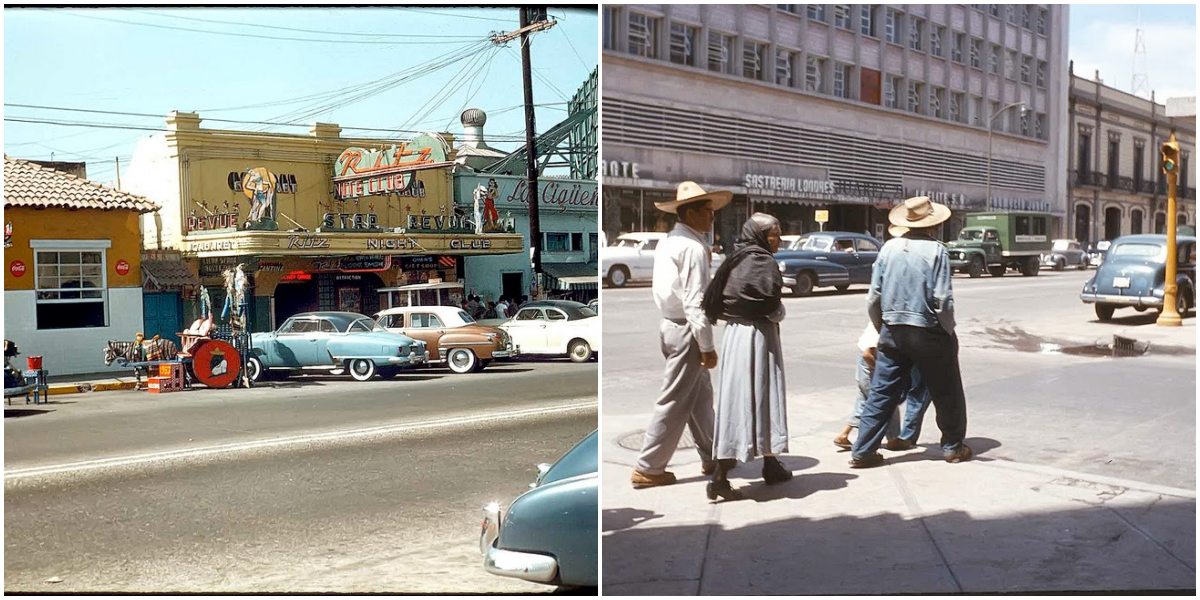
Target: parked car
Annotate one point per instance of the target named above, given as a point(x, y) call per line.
point(548, 534)
point(334, 341)
point(1134, 272)
point(594, 305)
point(827, 258)
point(555, 327)
point(451, 336)
point(1097, 251)
point(631, 259)
point(1065, 253)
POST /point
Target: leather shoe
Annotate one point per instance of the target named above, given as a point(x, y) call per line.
point(708, 467)
point(774, 472)
point(963, 454)
point(899, 444)
point(873, 459)
point(722, 489)
point(644, 480)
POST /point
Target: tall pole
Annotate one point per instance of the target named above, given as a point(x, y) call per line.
point(1170, 317)
point(991, 123)
point(535, 226)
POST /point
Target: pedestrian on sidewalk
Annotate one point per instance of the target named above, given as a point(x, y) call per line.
point(680, 277)
point(899, 437)
point(911, 303)
point(502, 311)
point(751, 415)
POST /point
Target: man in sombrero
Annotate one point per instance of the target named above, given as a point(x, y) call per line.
point(681, 274)
point(911, 304)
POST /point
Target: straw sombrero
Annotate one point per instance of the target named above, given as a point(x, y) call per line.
point(690, 191)
point(918, 211)
point(897, 230)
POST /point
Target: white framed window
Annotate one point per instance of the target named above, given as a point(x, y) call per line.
point(1041, 74)
point(916, 32)
point(785, 68)
point(994, 59)
point(891, 91)
point(958, 46)
point(814, 66)
point(789, 8)
point(71, 284)
point(683, 44)
point(1039, 126)
point(841, 80)
point(1025, 16)
point(867, 20)
point(841, 16)
point(937, 102)
point(935, 40)
point(1043, 16)
point(1024, 121)
point(915, 92)
point(891, 26)
point(976, 52)
point(1010, 64)
point(994, 10)
point(752, 60)
point(612, 15)
point(957, 104)
point(816, 12)
point(1026, 67)
point(976, 111)
point(643, 33)
point(720, 46)
point(1011, 12)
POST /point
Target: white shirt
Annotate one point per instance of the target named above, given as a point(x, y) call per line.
point(681, 274)
point(502, 310)
point(869, 338)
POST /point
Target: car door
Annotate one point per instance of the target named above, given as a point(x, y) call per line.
point(991, 246)
point(319, 343)
point(290, 344)
point(643, 267)
point(867, 252)
point(528, 330)
point(425, 326)
point(557, 330)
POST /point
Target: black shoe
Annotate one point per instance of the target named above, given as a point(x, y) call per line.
point(708, 467)
point(897, 445)
point(963, 454)
point(774, 472)
point(723, 490)
point(873, 459)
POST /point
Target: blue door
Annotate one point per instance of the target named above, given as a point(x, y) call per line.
point(162, 315)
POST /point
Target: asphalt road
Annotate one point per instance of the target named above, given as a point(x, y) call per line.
point(313, 485)
point(1131, 418)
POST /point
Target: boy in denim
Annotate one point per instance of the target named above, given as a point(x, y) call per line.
point(901, 433)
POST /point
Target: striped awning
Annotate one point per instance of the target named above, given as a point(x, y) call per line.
point(572, 276)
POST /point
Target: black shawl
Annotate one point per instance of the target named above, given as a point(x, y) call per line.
point(748, 285)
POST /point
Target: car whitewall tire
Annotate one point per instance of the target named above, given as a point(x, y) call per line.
point(579, 351)
point(362, 369)
point(461, 360)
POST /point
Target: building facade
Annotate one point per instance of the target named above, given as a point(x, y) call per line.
point(74, 278)
point(317, 221)
point(1117, 186)
point(833, 110)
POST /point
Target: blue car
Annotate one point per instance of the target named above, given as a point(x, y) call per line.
point(1133, 274)
point(836, 259)
point(335, 342)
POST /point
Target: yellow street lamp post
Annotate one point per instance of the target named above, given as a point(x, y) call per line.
point(1170, 165)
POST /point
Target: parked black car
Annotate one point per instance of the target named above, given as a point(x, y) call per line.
point(1134, 272)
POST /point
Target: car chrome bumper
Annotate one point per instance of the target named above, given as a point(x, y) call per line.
point(412, 359)
point(1149, 301)
point(537, 568)
point(789, 281)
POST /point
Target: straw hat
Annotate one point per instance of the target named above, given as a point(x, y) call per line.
point(918, 211)
point(897, 230)
point(690, 191)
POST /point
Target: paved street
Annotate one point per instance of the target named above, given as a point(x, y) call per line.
point(318, 484)
point(1048, 418)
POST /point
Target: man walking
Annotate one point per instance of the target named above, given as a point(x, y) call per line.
point(911, 303)
point(502, 308)
point(681, 274)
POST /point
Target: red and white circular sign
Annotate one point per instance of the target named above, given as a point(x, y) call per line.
point(122, 267)
point(17, 268)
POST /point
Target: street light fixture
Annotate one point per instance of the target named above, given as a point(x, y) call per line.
point(991, 123)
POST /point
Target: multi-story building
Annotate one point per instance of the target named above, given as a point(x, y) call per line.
point(834, 107)
point(1116, 184)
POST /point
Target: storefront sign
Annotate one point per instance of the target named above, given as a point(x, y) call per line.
point(307, 241)
point(17, 268)
point(793, 185)
point(1020, 204)
point(612, 168)
point(353, 264)
point(214, 267)
point(470, 244)
point(392, 244)
point(122, 267)
point(211, 246)
point(821, 216)
point(440, 223)
point(349, 222)
point(271, 265)
point(857, 192)
point(384, 184)
point(507, 191)
point(360, 172)
point(954, 201)
point(213, 222)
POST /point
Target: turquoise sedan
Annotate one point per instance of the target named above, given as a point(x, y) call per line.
point(336, 342)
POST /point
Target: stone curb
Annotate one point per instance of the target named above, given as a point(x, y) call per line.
point(59, 389)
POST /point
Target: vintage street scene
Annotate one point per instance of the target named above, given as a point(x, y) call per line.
point(308, 306)
point(900, 299)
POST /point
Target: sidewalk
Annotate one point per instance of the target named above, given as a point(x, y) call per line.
point(92, 382)
point(916, 525)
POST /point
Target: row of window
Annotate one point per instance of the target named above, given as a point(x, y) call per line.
point(1029, 17)
point(568, 242)
point(1113, 176)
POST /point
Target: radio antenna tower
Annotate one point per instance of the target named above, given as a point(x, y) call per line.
point(1141, 81)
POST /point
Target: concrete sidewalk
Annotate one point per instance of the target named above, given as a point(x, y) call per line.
point(92, 382)
point(916, 525)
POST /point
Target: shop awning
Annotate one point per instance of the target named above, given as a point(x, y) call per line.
point(164, 274)
point(572, 276)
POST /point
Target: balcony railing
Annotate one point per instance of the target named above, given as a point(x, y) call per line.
point(1091, 178)
point(1123, 183)
point(1146, 187)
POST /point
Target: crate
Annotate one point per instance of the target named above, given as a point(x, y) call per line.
point(154, 385)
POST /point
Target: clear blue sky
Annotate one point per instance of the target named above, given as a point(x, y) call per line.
point(221, 63)
point(1103, 36)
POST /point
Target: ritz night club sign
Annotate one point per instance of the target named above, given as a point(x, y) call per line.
point(359, 172)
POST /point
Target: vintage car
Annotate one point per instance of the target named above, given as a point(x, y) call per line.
point(548, 534)
point(1065, 253)
point(827, 259)
point(1097, 251)
point(334, 341)
point(451, 336)
point(594, 305)
point(556, 328)
point(631, 258)
point(1133, 274)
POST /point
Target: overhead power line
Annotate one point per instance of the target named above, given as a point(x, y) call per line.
point(316, 31)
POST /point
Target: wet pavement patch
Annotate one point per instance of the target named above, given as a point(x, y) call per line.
point(1121, 347)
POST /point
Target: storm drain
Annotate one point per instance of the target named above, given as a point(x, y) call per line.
point(633, 441)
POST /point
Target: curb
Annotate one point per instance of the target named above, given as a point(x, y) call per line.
point(59, 389)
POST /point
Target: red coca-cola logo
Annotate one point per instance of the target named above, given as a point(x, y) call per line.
point(122, 267)
point(17, 268)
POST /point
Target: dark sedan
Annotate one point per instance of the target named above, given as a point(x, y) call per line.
point(827, 259)
point(1133, 274)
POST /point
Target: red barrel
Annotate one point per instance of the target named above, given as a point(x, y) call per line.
point(35, 363)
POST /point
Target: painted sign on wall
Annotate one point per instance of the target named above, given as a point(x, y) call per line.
point(17, 268)
point(360, 172)
point(122, 267)
point(259, 185)
point(512, 191)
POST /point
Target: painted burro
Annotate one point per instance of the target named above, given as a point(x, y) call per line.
point(318, 221)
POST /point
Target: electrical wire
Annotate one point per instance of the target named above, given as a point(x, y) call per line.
point(430, 12)
point(280, 28)
point(568, 38)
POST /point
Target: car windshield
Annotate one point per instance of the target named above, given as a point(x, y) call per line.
point(468, 319)
point(817, 244)
point(1062, 244)
point(1137, 250)
point(365, 324)
point(970, 235)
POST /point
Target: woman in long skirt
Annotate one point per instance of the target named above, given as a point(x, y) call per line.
point(751, 415)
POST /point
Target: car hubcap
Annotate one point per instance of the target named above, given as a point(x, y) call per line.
point(361, 367)
point(618, 278)
point(580, 351)
point(460, 359)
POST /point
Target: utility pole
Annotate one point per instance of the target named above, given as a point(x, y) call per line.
point(529, 15)
point(118, 159)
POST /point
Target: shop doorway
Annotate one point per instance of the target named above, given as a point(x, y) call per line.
point(1083, 224)
point(512, 285)
point(1112, 223)
point(162, 315)
point(292, 298)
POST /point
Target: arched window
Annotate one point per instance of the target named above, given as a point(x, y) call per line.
point(1160, 222)
point(1083, 223)
point(1112, 222)
point(1135, 221)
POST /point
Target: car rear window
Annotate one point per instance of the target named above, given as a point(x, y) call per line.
point(1136, 249)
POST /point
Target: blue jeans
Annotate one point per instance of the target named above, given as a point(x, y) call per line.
point(933, 355)
point(917, 402)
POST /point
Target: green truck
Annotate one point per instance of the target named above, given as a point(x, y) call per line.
point(996, 242)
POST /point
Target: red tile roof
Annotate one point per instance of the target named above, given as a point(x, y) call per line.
point(27, 184)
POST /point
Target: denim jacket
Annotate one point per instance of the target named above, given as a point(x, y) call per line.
point(910, 285)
